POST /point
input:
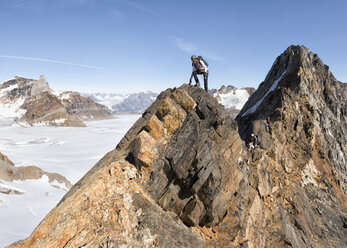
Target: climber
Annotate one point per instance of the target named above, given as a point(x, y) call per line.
point(253, 141)
point(252, 145)
point(269, 126)
point(200, 67)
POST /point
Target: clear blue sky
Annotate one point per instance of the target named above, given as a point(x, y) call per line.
point(129, 46)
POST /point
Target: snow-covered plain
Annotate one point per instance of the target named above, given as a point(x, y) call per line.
point(69, 151)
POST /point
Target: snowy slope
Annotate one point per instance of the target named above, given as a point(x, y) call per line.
point(233, 98)
point(10, 111)
point(236, 98)
point(69, 151)
point(19, 214)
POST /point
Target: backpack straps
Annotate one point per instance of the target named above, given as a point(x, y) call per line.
point(200, 58)
point(205, 62)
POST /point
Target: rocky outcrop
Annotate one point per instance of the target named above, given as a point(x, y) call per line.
point(195, 143)
point(84, 107)
point(182, 176)
point(32, 102)
point(25, 87)
point(250, 90)
point(9, 172)
point(145, 169)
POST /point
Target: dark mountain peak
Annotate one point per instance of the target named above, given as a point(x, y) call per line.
point(295, 60)
point(296, 70)
point(301, 92)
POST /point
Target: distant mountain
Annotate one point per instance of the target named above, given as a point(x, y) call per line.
point(136, 102)
point(233, 98)
point(84, 107)
point(32, 102)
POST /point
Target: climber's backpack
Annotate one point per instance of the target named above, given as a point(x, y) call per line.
point(203, 63)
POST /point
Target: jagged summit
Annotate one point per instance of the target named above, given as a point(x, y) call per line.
point(300, 85)
point(293, 61)
point(26, 87)
point(183, 175)
point(296, 71)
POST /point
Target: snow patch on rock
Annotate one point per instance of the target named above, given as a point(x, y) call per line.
point(9, 88)
point(255, 106)
point(12, 110)
point(64, 96)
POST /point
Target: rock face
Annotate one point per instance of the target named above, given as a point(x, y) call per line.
point(8, 172)
point(187, 145)
point(32, 102)
point(84, 107)
point(233, 98)
point(183, 176)
point(299, 195)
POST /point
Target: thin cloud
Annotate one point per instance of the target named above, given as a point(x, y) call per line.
point(21, 3)
point(117, 13)
point(138, 6)
point(185, 46)
point(212, 56)
point(33, 5)
point(80, 2)
point(190, 47)
point(53, 61)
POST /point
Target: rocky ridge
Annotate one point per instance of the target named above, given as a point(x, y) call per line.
point(9, 172)
point(183, 175)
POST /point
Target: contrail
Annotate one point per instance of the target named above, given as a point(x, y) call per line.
point(53, 61)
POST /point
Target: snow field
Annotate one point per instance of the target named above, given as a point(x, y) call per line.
point(69, 151)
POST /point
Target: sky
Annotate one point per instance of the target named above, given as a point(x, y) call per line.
point(121, 46)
